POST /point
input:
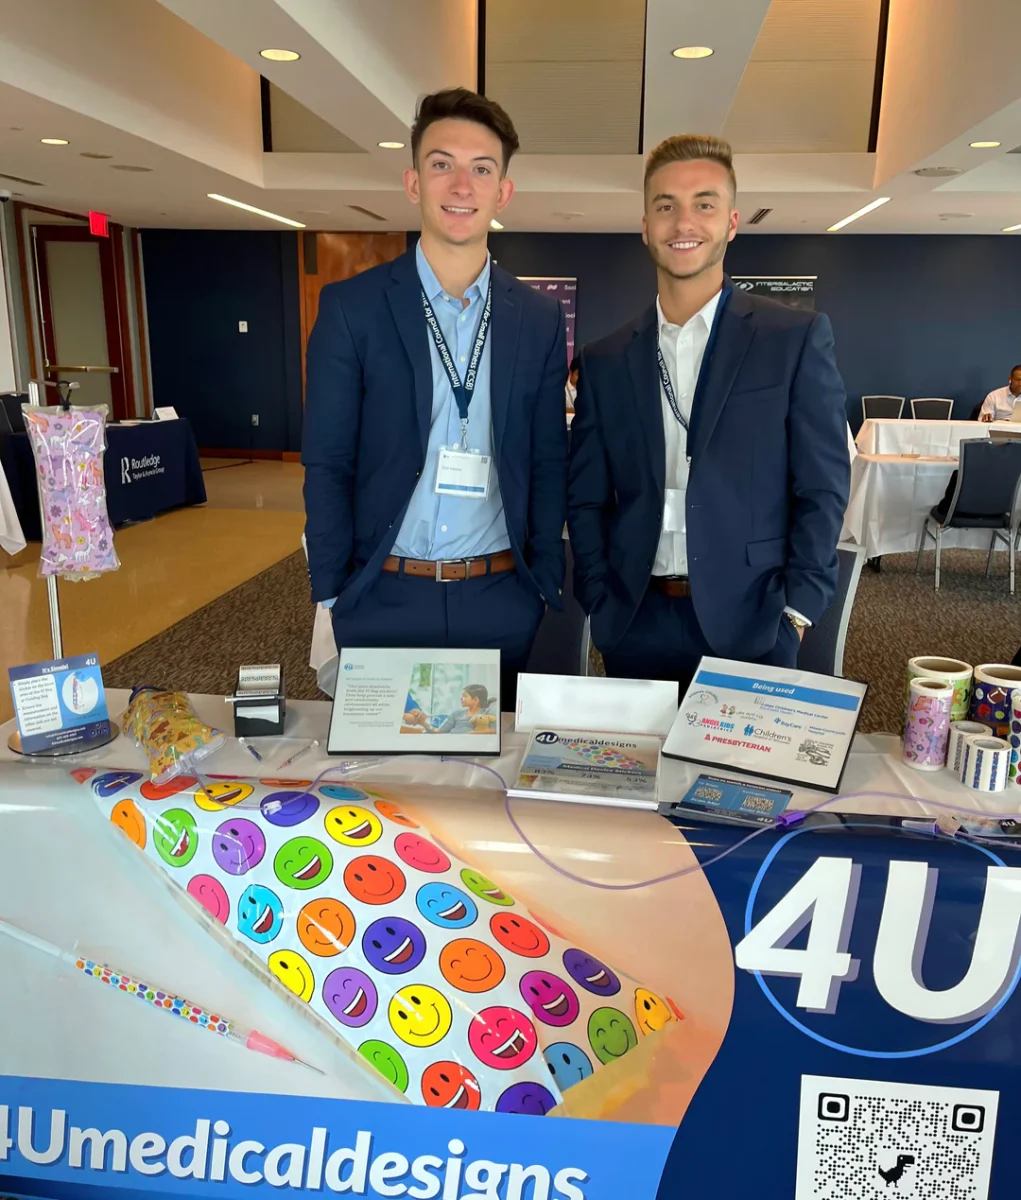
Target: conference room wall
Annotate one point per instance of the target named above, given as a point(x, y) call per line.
point(198, 285)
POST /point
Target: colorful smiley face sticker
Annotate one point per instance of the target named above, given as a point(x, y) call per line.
point(449, 1085)
point(568, 1064)
point(471, 966)
point(342, 791)
point(351, 996)
point(216, 796)
point(651, 1012)
point(163, 791)
point(285, 809)
point(387, 1062)
point(302, 863)
point(374, 880)
point(83, 774)
point(125, 816)
point(502, 1038)
point(326, 926)
point(611, 1034)
point(209, 892)
point(552, 1000)
point(260, 914)
point(388, 809)
point(293, 972)
point(485, 888)
point(531, 1099)
point(421, 854)
point(295, 784)
point(519, 935)
point(393, 945)
point(175, 837)
point(591, 974)
point(353, 826)
point(420, 1015)
point(446, 906)
point(112, 782)
point(238, 845)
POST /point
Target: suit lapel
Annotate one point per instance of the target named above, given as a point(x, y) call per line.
point(733, 337)
point(405, 298)
point(503, 337)
point(641, 360)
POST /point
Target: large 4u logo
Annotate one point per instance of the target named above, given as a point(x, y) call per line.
point(825, 897)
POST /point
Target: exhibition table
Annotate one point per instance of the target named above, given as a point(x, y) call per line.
point(889, 435)
point(149, 468)
point(672, 905)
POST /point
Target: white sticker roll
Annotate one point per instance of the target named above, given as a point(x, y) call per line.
point(986, 763)
point(960, 733)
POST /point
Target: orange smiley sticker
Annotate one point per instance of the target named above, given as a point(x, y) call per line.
point(471, 966)
point(326, 926)
point(127, 817)
point(388, 809)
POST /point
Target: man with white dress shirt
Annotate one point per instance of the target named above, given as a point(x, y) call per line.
point(999, 405)
point(709, 466)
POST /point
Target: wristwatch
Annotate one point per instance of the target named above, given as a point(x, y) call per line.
point(799, 623)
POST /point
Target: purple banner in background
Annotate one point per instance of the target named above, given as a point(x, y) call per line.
point(566, 291)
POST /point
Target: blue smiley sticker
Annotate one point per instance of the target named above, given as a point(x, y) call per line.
point(260, 914)
point(111, 782)
point(568, 1064)
point(446, 906)
point(342, 791)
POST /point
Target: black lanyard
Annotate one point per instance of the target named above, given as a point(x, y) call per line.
point(668, 388)
point(463, 391)
point(664, 375)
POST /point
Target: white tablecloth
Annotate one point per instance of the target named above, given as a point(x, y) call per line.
point(888, 436)
point(11, 537)
point(891, 495)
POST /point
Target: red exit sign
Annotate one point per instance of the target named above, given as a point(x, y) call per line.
point(99, 224)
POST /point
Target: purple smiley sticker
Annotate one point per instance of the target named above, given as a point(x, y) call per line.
point(591, 974)
point(551, 999)
point(531, 1099)
point(287, 809)
point(393, 945)
point(238, 845)
point(351, 996)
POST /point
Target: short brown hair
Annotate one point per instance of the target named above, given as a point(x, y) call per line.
point(690, 147)
point(458, 104)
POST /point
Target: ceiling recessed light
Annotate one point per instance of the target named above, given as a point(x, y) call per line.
point(390, 145)
point(860, 213)
point(1012, 229)
point(280, 55)
point(692, 52)
point(983, 145)
point(259, 212)
point(495, 224)
point(129, 167)
point(55, 141)
point(92, 154)
point(938, 172)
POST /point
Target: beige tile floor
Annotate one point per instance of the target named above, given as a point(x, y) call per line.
point(170, 567)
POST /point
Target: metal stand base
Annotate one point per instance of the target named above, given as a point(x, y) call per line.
point(14, 744)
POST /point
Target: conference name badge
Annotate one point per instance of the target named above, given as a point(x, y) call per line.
point(463, 473)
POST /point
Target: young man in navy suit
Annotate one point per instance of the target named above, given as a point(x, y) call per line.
point(435, 447)
point(709, 466)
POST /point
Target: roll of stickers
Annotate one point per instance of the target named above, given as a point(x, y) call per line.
point(986, 764)
point(1015, 739)
point(928, 726)
point(952, 670)
point(961, 732)
point(995, 684)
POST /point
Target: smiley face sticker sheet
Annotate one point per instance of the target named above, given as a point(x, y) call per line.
point(438, 977)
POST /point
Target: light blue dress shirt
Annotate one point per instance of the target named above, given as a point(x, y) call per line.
point(434, 526)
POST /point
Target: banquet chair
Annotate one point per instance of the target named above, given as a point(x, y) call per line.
point(888, 407)
point(930, 409)
point(822, 648)
point(986, 497)
point(1011, 538)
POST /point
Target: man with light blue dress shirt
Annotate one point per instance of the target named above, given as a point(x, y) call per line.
point(434, 442)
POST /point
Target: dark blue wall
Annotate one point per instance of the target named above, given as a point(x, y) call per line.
point(198, 285)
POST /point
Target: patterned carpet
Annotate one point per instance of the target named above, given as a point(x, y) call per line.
point(896, 616)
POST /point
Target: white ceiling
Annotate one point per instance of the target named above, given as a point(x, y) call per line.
point(173, 85)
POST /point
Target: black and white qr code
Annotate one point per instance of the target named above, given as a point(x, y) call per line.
point(860, 1140)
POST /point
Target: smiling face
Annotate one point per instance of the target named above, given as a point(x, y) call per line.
point(388, 809)
point(458, 182)
point(568, 1064)
point(351, 996)
point(471, 966)
point(689, 217)
point(387, 1062)
point(446, 906)
point(293, 972)
point(285, 809)
point(651, 1012)
point(126, 817)
point(303, 863)
point(175, 837)
point(530, 1099)
point(260, 914)
point(353, 826)
point(519, 935)
point(325, 926)
point(449, 1085)
point(502, 1038)
point(393, 945)
point(210, 893)
point(163, 791)
point(421, 854)
point(553, 1001)
point(590, 973)
point(111, 782)
point(216, 796)
point(485, 888)
point(420, 1015)
point(611, 1034)
point(238, 845)
point(374, 880)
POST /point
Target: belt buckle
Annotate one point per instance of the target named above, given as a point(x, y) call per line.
point(443, 562)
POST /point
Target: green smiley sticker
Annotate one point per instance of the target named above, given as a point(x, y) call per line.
point(175, 837)
point(387, 1062)
point(485, 888)
point(303, 862)
point(611, 1034)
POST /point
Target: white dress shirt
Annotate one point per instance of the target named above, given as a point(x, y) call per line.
point(1000, 403)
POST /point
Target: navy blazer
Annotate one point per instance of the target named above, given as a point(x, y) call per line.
point(767, 488)
point(368, 406)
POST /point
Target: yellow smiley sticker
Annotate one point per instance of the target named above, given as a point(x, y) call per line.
point(651, 1012)
point(293, 972)
point(420, 1015)
point(216, 796)
point(353, 826)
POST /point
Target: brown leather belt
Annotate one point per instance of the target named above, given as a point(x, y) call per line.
point(450, 570)
point(677, 586)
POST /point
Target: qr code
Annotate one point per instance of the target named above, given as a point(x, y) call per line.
point(860, 1140)
point(816, 753)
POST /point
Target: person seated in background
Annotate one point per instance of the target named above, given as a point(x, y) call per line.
point(999, 405)
point(571, 390)
point(473, 717)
